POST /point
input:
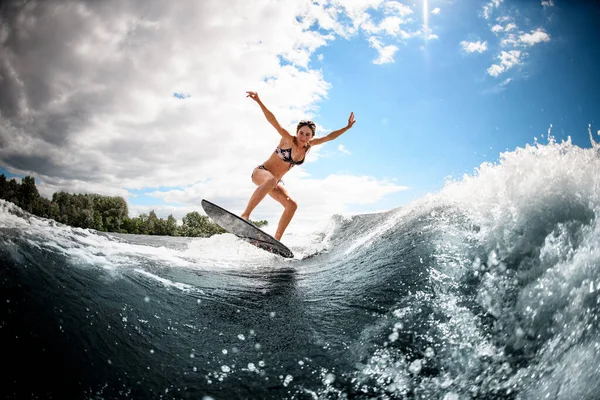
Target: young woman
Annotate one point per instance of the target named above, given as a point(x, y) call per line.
point(291, 151)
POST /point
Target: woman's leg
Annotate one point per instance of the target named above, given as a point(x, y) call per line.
point(265, 182)
point(290, 206)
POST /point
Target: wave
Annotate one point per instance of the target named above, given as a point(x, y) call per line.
point(486, 289)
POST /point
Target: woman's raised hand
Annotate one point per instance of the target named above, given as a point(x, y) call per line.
point(253, 96)
point(351, 120)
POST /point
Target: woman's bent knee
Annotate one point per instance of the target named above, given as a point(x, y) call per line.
point(291, 204)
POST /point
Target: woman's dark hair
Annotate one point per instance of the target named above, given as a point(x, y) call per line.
point(310, 124)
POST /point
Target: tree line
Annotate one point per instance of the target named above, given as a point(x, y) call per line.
point(103, 213)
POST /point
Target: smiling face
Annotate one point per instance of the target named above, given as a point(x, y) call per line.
point(305, 131)
point(304, 134)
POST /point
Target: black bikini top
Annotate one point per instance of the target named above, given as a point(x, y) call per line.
point(286, 156)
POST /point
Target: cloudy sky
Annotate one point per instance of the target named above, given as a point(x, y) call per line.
point(145, 99)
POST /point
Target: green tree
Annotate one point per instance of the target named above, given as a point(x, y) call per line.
point(196, 225)
point(152, 223)
point(42, 207)
point(103, 213)
point(171, 226)
point(113, 211)
point(261, 223)
point(3, 186)
point(62, 201)
point(12, 191)
point(81, 211)
point(27, 193)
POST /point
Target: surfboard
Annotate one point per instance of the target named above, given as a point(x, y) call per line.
point(245, 230)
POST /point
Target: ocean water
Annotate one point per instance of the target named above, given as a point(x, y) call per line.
point(488, 289)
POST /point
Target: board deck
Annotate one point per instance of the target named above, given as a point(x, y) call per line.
point(245, 230)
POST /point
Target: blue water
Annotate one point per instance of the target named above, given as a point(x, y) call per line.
point(489, 289)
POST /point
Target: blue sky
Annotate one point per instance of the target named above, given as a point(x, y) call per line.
point(435, 111)
point(148, 101)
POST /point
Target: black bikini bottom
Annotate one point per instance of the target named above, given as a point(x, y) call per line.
point(262, 166)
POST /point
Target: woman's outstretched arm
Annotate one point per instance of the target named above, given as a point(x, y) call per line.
point(269, 115)
point(335, 134)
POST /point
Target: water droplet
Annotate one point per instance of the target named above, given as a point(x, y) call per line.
point(415, 367)
point(429, 352)
point(329, 379)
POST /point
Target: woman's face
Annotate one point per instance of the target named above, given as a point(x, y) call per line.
point(304, 134)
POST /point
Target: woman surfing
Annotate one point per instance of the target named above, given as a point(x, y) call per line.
point(291, 151)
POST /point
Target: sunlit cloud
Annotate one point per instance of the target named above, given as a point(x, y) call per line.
point(343, 149)
point(499, 87)
point(489, 8)
point(386, 53)
point(472, 47)
point(116, 112)
point(398, 23)
point(509, 40)
point(500, 28)
point(534, 37)
point(508, 59)
point(397, 8)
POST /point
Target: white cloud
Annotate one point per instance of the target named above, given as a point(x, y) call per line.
point(335, 194)
point(356, 11)
point(436, 11)
point(396, 23)
point(534, 37)
point(497, 28)
point(495, 70)
point(508, 59)
point(87, 97)
point(509, 40)
point(427, 34)
point(547, 3)
point(431, 36)
point(498, 87)
point(471, 47)
point(332, 195)
point(489, 8)
point(398, 8)
point(386, 53)
point(391, 25)
point(343, 149)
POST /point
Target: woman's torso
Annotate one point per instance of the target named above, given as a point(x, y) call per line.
point(276, 164)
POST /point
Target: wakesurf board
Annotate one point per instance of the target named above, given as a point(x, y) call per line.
point(245, 230)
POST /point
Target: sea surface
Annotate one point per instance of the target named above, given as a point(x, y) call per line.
point(487, 289)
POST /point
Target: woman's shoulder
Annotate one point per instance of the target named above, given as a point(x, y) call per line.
point(285, 143)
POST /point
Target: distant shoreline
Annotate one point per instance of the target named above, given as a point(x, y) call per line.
point(103, 213)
